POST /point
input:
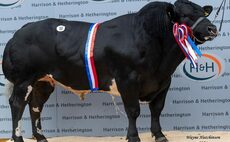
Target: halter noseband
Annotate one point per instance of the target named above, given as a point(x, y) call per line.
point(197, 22)
point(194, 26)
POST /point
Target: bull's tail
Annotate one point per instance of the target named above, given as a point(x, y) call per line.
point(8, 89)
point(7, 65)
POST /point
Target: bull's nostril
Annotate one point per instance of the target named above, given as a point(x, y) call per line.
point(209, 29)
point(212, 30)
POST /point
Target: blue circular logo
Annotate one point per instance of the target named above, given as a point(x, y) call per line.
point(209, 67)
point(10, 3)
point(101, 1)
point(2, 77)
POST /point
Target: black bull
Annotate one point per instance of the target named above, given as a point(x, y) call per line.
point(136, 50)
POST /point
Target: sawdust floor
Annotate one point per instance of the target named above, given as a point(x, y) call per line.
point(173, 136)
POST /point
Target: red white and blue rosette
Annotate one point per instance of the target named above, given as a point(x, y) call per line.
point(191, 51)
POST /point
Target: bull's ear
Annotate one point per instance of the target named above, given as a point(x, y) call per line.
point(171, 12)
point(207, 10)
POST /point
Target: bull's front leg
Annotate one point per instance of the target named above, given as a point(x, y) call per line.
point(156, 106)
point(132, 111)
point(130, 98)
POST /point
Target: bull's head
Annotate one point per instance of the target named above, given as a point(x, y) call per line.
point(195, 17)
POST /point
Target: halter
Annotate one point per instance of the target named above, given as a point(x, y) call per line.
point(197, 22)
point(194, 26)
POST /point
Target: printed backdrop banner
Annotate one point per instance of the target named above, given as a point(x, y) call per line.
point(198, 96)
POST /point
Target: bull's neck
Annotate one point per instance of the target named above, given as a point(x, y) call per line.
point(168, 50)
point(172, 54)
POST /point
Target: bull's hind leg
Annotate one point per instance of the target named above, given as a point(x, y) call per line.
point(40, 94)
point(156, 107)
point(18, 101)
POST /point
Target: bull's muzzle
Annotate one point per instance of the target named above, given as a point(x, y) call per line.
point(213, 32)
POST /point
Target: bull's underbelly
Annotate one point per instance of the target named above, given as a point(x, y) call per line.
point(49, 78)
point(148, 93)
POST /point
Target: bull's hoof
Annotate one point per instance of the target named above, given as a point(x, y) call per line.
point(161, 139)
point(133, 139)
point(17, 139)
point(39, 138)
point(44, 140)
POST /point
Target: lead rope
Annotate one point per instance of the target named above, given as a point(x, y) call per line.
point(191, 51)
point(222, 19)
point(223, 4)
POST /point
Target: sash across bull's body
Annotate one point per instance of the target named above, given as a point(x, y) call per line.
point(89, 58)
